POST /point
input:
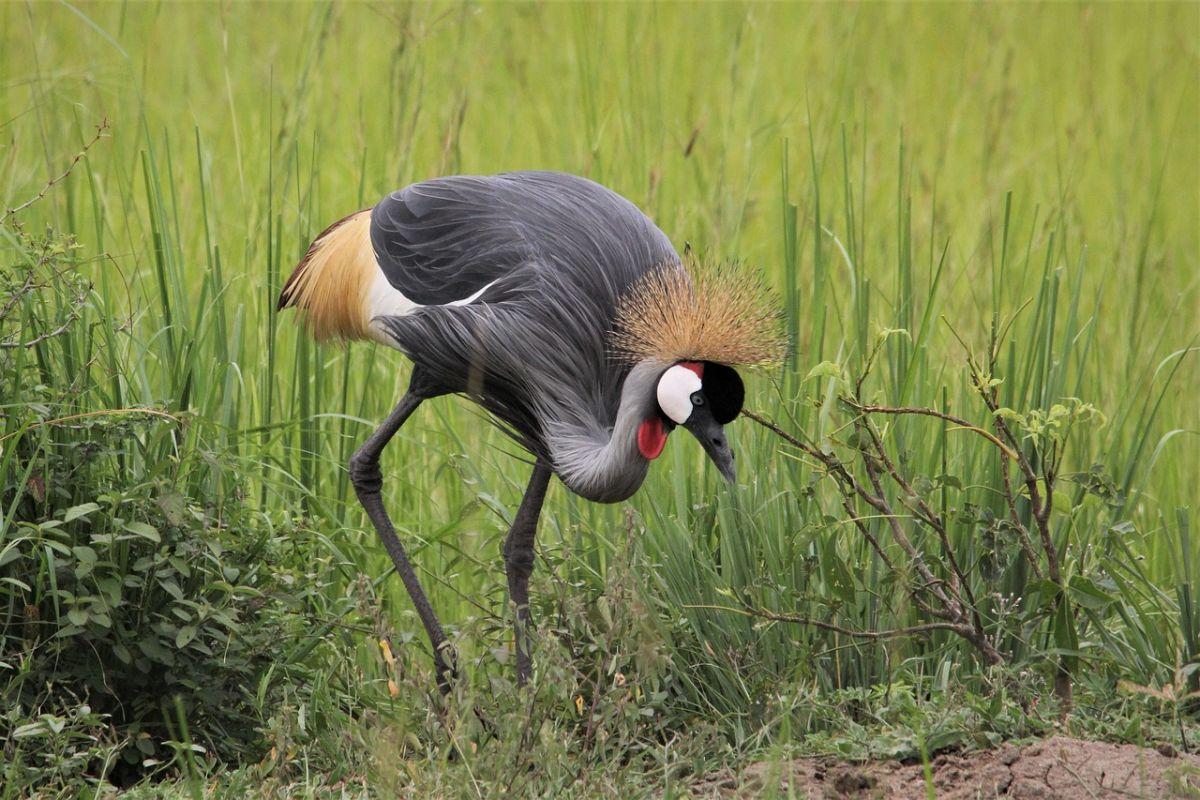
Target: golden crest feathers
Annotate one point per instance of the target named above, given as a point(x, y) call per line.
point(702, 312)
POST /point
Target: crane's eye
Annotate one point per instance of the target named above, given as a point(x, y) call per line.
point(697, 399)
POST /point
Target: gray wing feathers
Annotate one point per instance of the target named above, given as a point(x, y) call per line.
point(529, 370)
point(559, 251)
point(445, 239)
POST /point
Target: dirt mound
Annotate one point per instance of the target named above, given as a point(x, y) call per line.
point(1055, 768)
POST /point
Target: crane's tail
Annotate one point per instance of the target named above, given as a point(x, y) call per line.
point(331, 285)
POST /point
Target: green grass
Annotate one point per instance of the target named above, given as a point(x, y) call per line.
point(945, 170)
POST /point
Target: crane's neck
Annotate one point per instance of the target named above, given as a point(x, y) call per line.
point(606, 466)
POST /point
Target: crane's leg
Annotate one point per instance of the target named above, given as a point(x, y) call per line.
point(368, 482)
point(518, 562)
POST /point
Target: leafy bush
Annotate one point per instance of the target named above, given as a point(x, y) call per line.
point(138, 615)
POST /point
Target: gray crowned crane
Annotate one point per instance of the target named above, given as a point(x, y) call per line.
point(559, 308)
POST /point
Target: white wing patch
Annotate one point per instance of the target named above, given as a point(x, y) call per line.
point(468, 300)
point(384, 300)
point(675, 390)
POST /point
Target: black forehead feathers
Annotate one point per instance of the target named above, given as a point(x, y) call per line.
point(725, 392)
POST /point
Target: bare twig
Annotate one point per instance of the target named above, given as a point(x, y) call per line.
point(851, 487)
point(72, 315)
point(16, 295)
point(922, 511)
point(956, 615)
point(100, 129)
point(60, 330)
point(952, 603)
point(782, 434)
point(1022, 531)
point(1040, 507)
point(930, 412)
point(959, 583)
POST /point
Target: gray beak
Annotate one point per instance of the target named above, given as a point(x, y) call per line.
point(711, 435)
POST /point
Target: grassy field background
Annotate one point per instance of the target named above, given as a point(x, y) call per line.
point(945, 170)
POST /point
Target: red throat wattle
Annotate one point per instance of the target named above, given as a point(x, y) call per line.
point(651, 437)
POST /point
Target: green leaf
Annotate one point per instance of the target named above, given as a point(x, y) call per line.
point(84, 554)
point(143, 530)
point(29, 729)
point(171, 587)
point(887, 333)
point(1047, 589)
point(57, 547)
point(173, 506)
point(940, 740)
point(1088, 594)
point(75, 512)
point(10, 553)
point(841, 580)
point(951, 481)
point(152, 649)
point(826, 369)
point(1065, 635)
point(79, 616)
point(185, 635)
point(112, 587)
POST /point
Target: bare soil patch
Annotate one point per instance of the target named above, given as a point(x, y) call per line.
point(1057, 768)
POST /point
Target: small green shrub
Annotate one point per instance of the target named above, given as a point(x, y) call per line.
point(140, 617)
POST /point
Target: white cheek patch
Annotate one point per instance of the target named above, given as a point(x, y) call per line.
point(675, 390)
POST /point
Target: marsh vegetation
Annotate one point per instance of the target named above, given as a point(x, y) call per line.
point(966, 510)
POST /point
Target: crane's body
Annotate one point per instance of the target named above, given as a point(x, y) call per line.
point(508, 289)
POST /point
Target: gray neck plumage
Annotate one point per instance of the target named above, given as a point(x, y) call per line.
point(605, 466)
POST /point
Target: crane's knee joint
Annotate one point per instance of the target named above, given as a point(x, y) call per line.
point(519, 561)
point(365, 474)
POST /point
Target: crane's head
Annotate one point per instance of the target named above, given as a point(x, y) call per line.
point(688, 324)
point(701, 396)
